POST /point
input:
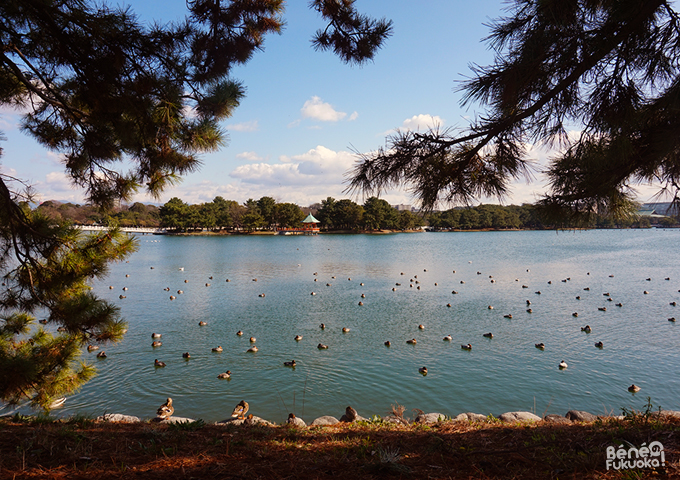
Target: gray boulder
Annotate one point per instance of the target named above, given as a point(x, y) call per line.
point(553, 418)
point(324, 421)
point(667, 413)
point(358, 418)
point(118, 418)
point(173, 420)
point(519, 417)
point(394, 419)
point(580, 416)
point(470, 417)
point(245, 421)
point(430, 418)
point(296, 422)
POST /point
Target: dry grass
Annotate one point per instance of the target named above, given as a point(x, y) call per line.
point(81, 449)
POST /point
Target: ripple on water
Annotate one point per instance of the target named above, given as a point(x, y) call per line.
point(500, 374)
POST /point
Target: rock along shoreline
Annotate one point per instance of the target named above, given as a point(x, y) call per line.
point(572, 416)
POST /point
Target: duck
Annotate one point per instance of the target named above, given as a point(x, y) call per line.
point(350, 414)
point(186, 355)
point(673, 304)
point(454, 292)
point(411, 342)
point(298, 338)
point(578, 297)
point(529, 310)
point(158, 363)
point(202, 323)
point(599, 344)
point(313, 293)
point(217, 348)
point(563, 364)
point(490, 307)
point(575, 314)
point(166, 410)
point(261, 295)
point(421, 327)
point(253, 349)
point(156, 335)
point(122, 296)
point(528, 302)
point(361, 303)
point(488, 335)
point(345, 330)
point(180, 292)
point(672, 319)
point(239, 333)
point(172, 297)
point(466, 347)
point(91, 348)
point(156, 344)
point(509, 315)
point(448, 338)
point(290, 364)
point(363, 295)
point(101, 355)
point(448, 305)
point(388, 343)
point(423, 370)
point(540, 346)
point(253, 339)
point(602, 309)
point(619, 304)
point(240, 409)
point(322, 346)
point(633, 388)
point(322, 326)
point(586, 329)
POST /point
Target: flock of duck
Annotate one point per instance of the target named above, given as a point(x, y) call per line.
point(413, 283)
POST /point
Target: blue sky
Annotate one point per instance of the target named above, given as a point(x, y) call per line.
point(306, 112)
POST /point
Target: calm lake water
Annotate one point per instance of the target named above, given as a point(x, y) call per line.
point(505, 373)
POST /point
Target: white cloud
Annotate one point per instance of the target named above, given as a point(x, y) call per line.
point(353, 117)
point(252, 126)
point(249, 156)
point(422, 122)
point(317, 165)
point(58, 186)
point(316, 109)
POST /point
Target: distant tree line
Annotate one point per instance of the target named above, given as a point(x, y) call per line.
point(135, 215)
point(334, 215)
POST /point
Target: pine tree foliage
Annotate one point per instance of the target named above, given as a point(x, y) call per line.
point(130, 107)
point(607, 68)
point(46, 266)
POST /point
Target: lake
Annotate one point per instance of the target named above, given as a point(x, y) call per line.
point(407, 280)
